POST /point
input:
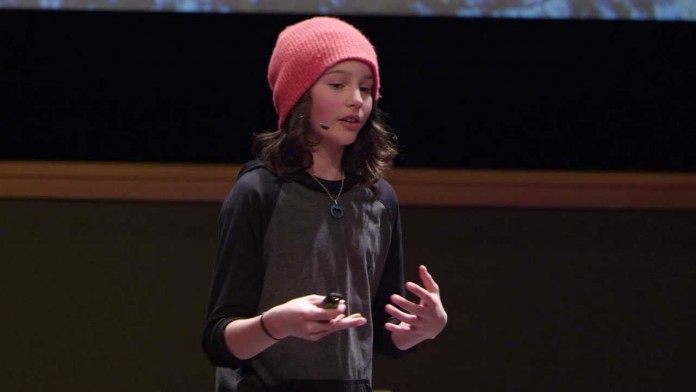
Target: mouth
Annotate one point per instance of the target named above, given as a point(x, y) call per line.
point(353, 119)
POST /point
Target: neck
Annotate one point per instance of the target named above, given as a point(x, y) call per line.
point(327, 165)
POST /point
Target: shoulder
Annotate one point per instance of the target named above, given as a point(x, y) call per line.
point(255, 183)
point(255, 174)
point(385, 193)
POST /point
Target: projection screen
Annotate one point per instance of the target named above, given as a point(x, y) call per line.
point(670, 10)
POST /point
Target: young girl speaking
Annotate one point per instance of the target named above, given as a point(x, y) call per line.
point(313, 215)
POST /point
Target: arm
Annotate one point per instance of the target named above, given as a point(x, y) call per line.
point(301, 317)
point(237, 277)
point(238, 273)
point(418, 322)
point(392, 277)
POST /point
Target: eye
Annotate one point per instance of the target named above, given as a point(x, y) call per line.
point(366, 89)
point(336, 85)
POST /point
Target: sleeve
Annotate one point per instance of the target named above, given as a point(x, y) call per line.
point(392, 280)
point(237, 277)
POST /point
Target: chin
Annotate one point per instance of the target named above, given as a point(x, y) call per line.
point(349, 142)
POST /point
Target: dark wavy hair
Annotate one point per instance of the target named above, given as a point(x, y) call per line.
point(288, 150)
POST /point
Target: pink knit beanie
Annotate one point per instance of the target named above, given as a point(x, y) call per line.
point(304, 51)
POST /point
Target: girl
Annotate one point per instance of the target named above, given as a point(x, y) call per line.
point(313, 215)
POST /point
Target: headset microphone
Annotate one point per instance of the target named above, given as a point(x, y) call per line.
point(324, 126)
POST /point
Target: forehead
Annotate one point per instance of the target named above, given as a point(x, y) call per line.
point(351, 68)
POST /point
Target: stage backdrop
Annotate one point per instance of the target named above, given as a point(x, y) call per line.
point(501, 93)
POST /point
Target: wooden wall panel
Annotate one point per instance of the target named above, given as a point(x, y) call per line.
point(415, 187)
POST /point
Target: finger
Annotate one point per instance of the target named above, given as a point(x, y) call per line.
point(401, 316)
point(314, 299)
point(339, 317)
point(420, 292)
point(354, 317)
point(397, 328)
point(428, 280)
point(405, 304)
point(352, 321)
point(338, 323)
point(320, 304)
point(321, 314)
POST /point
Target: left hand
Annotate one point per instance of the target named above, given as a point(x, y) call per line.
point(422, 320)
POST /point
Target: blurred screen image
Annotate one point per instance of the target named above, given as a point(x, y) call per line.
point(668, 10)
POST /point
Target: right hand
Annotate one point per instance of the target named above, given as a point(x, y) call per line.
point(305, 319)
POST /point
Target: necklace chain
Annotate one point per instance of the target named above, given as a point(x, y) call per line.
point(335, 200)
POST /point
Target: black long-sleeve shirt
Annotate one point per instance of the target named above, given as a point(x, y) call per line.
point(277, 241)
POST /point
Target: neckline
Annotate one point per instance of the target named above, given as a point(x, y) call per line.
point(305, 179)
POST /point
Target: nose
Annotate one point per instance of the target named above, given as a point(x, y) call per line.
point(356, 98)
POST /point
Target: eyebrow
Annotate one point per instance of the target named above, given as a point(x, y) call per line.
point(340, 71)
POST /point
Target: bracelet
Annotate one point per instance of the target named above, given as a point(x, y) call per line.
point(265, 330)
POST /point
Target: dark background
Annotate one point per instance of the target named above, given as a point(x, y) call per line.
point(463, 93)
point(111, 296)
point(104, 296)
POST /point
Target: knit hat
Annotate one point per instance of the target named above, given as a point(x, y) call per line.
point(304, 51)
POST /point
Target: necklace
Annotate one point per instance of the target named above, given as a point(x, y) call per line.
point(336, 209)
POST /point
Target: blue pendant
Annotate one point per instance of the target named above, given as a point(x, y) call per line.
point(336, 211)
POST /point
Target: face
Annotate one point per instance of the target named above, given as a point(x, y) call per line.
point(341, 100)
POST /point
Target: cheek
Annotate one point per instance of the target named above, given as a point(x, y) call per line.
point(367, 107)
point(322, 110)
